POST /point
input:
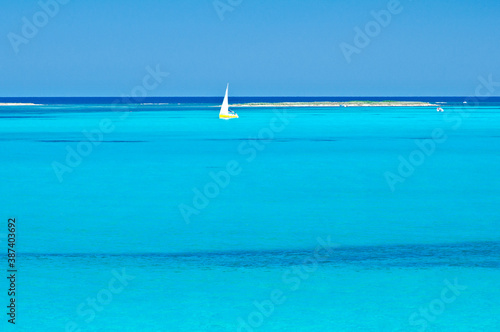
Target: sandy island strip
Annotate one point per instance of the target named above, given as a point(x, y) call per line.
point(302, 104)
point(341, 104)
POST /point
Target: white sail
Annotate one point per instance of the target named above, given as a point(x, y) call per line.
point(225, 113)
point(224, 110)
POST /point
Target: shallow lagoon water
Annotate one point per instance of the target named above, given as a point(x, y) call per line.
point(322, 176)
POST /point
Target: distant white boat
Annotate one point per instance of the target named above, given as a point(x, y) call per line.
point(225, 113)
point(465, 102)
point(439, 109)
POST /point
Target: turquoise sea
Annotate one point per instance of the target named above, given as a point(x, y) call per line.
point(161, 217)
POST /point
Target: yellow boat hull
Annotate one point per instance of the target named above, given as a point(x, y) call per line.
point(235, 116)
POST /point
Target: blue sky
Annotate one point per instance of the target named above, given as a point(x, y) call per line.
point(261, 47)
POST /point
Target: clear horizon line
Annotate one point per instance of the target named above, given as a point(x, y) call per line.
point(262, 96)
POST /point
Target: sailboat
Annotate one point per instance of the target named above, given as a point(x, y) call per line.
point(225, 113)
